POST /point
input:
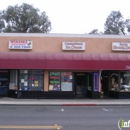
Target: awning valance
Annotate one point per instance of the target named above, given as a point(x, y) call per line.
point(68, 61)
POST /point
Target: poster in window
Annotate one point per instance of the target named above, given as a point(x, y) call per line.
point(22, 80)
point(25, 83)
point(54, 81)
point(66, 77)
point(36, 83)
point(71, 77)
point(66, 81)
point(51, 87)
point(66, 86)
point(56, 87)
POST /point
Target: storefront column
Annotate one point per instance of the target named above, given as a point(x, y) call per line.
point(46, 77)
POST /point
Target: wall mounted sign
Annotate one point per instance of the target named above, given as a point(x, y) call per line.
point(121, 46)
point(16, 44)
point(95, 81)
point(73, 45)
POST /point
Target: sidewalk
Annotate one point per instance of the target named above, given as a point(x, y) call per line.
point(65, 102)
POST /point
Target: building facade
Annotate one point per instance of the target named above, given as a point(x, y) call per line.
point(64, 66)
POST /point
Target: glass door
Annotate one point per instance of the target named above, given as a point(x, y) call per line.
point(81, 83)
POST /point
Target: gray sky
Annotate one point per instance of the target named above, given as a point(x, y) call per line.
point(76, 16)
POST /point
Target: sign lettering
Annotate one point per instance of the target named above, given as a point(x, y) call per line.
point(20, 44)
point(121, 46)
point(73, 45)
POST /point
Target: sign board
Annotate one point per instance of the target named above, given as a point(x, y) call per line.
point(121, 46)
point(73, 45)
point(95, 81)
point(16, 44)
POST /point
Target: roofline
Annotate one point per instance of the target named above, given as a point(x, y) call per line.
point(62, 35)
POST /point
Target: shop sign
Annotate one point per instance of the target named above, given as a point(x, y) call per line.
point(20, 44)
point(121, 46)
point(95, 81)
point(73, 45)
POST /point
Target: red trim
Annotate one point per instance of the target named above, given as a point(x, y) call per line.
point(69, 61)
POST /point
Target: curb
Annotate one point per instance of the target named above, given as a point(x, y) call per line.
point(64, 104)
point(30, 104)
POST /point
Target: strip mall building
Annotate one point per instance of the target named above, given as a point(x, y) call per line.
point(64, 66)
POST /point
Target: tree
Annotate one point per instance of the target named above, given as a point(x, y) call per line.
point(24, 19)
point(127, 23)
point(115, 24)
point(95, 31)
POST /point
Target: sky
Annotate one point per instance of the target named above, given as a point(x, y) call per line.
point(75, 16)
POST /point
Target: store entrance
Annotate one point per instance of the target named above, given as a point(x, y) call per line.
point(105, 84)
point(80, 85)
point(4, 76)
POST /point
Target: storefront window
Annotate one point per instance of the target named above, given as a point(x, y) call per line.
point(114, 81)
point(4, 81)
point(66, 81)
point(125, 81)
point(54, 81)
point(89, 81)
point(60, 81)
point(31, 80)
point(13, 80)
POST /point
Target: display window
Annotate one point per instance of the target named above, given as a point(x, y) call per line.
point(90, 81)
point(31, 80)
point(66, 81)
point(125, 81)
point(54, 81)
point(60, 81)
point(120, 81)
point(114, 81)
point(13, 84)
point(4, 81)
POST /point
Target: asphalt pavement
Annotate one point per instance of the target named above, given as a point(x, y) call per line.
point(69, 118)
point(65, 102)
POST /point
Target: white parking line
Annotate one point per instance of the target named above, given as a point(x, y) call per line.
point(60, 110)
point(107, 109)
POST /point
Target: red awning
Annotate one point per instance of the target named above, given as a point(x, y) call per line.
point(64, 61)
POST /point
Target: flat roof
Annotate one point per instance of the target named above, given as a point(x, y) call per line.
point(62, 35)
